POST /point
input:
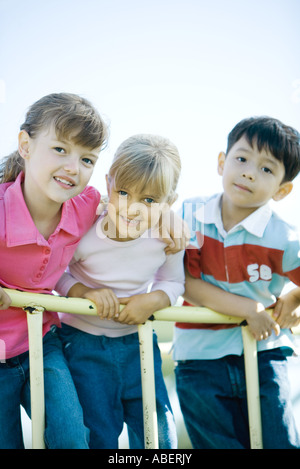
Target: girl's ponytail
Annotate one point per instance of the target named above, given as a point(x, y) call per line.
point(10, 167)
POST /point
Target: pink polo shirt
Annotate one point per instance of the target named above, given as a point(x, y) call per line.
point(30, 263)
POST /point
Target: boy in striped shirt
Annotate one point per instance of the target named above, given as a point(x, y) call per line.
point(240, 257)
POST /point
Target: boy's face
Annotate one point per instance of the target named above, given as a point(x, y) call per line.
point(251, 177)
point(132, 212)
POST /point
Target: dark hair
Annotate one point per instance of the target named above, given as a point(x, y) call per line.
point(282, 141)
point(70, 114)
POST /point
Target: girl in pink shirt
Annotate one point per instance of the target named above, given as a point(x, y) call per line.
point(45, 208)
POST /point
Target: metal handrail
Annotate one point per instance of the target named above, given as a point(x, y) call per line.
point(35, 303)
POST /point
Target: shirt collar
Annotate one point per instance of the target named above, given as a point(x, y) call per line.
point(20, 228)
point(255, 223)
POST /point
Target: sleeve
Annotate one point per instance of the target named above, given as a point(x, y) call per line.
point(170, 277)
point(67, 280)
point(192, 262)
point(291, 258)
point(64, 284)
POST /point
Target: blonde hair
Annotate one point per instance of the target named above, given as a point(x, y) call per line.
point(68, 113)
point(146, 160)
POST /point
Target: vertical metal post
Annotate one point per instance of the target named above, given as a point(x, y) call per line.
point(252, 385)
point(148, 385)
point(37, 398)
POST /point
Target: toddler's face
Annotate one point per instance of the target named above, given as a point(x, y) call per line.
point(250, 177)
point(133, 212)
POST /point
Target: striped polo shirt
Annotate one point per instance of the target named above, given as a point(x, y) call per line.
point(257, 258)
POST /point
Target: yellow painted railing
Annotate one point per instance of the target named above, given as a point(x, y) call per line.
point(35, 304)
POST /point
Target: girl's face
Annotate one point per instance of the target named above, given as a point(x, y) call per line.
point(132, 212)
point(55, 169)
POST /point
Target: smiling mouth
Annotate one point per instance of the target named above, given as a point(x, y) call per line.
point(242, 188)
point(64, 182)
point(130, 221)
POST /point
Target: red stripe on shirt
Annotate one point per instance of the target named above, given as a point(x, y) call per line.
point(233, 264)
point(192, 261)
point(294, 276)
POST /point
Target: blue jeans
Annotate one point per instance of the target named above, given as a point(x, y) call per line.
point(64, 419)
point(212, 395)
point(107, 375)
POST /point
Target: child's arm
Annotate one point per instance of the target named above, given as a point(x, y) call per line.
point(105, 300)
point(5, 300)
point(140, 307)
point(201, 293)
point(287, 309)
point(174, 232)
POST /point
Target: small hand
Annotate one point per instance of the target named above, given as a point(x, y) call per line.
point(135, 310)
point(287, 309)
point(138, 308)
point(261, 324)
point(174, 232)
point(105, 300)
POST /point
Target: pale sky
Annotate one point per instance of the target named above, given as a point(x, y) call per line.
point(185, 69)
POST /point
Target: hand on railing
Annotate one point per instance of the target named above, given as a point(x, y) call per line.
point(105, 300)
point(260, 322)
point(139, 308)
point(287, 309)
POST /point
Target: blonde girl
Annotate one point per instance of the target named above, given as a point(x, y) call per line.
point(122, 260)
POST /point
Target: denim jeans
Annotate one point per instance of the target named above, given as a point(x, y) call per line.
point(107, 375)
point(212, 395)
point(64, 419)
